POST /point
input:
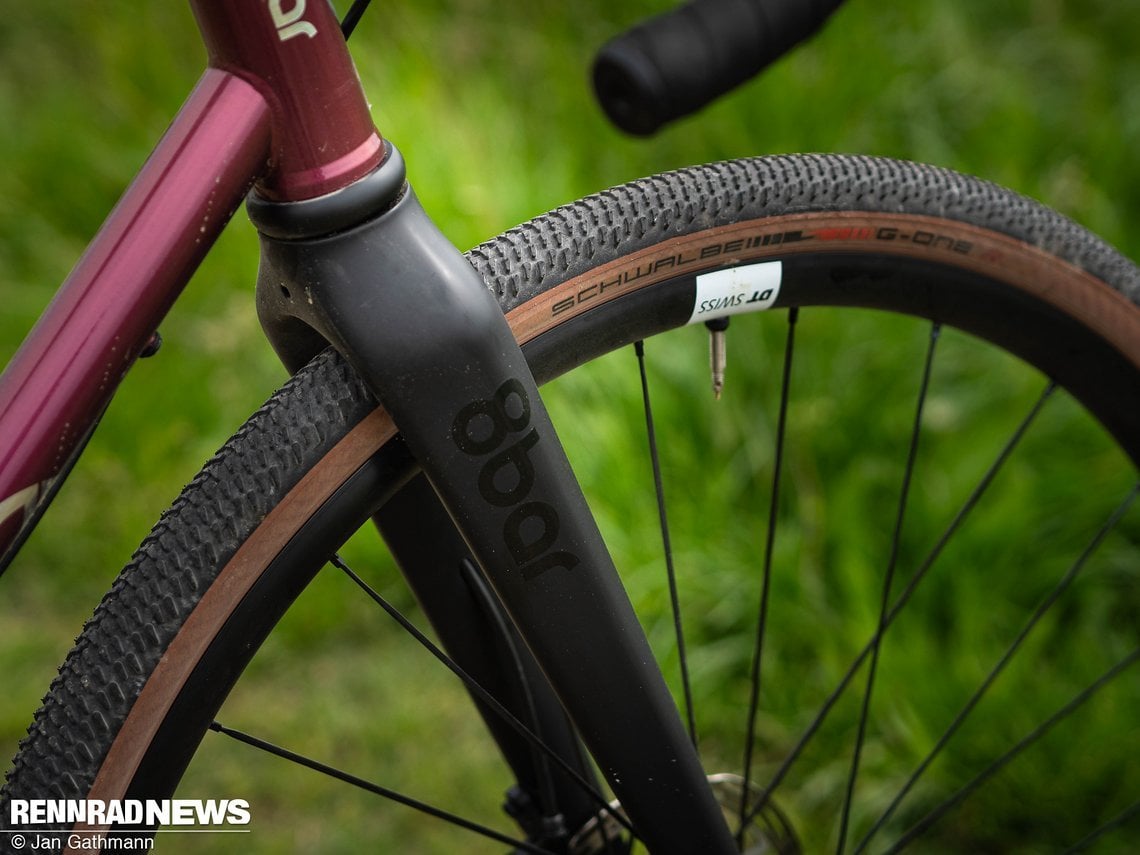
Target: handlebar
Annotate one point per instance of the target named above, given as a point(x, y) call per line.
point(674, 64)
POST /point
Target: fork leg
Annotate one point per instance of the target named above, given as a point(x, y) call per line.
point(548, 804)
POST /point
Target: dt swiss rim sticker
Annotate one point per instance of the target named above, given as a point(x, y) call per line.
point(748, 288)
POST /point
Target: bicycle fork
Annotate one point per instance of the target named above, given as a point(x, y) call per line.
point(365, 270)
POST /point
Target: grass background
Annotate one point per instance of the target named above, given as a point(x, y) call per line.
point(490, 105)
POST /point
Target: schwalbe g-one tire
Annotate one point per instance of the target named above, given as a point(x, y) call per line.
point(575, 282)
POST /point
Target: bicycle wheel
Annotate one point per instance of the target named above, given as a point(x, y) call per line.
point(974, 264)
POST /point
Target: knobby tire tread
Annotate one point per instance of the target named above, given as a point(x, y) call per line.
point(570, 240)
point(192, 541)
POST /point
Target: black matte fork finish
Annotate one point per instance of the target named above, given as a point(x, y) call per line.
point(426, 335)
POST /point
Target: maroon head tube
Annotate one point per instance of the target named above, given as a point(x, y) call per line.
point(293, 52)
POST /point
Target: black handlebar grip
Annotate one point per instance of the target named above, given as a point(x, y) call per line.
point(674, 64)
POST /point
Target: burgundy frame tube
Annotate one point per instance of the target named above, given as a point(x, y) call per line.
point(281, 105)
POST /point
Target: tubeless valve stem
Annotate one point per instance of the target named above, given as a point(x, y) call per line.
point(718, 353)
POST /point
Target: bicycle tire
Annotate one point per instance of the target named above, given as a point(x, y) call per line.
point(212, 578)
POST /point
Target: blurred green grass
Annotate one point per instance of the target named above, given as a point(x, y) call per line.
point(490, 106)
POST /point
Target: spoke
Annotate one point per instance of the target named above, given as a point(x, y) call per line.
point(375, 789)
point(475, 688)
point(970, 503)
point(884, 608)
point(670, 570)
point(1042, 609)
point(773, 509)
point(1122, 818)
point(920, 827)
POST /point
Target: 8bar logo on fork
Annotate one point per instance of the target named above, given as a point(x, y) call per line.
point(532, 527)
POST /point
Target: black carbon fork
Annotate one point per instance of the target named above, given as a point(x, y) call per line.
point(367, 271)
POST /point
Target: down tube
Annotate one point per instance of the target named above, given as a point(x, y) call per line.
point(63, 376)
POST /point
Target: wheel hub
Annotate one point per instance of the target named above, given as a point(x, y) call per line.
point(767, 831)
